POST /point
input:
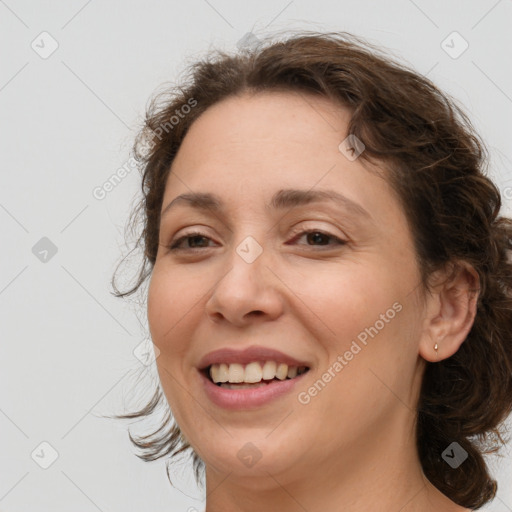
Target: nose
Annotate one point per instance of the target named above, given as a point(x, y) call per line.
point(247, 292)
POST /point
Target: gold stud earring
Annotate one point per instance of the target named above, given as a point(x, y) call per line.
point(435, 348)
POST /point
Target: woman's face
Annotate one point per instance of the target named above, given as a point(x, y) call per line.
point(342, 300)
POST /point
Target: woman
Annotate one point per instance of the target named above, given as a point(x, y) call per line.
point(329, 283)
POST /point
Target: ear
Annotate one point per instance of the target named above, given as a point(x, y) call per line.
point(450, 311)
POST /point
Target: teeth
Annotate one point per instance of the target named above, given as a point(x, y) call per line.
point(282, 371)
point(253, 372)
point(219, 372)
point(292, 372)
point(236, 372)
point(269, 370)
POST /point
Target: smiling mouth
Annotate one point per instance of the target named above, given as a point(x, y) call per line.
point(237, 379)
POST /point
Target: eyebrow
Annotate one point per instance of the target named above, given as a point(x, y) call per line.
point(282, 199)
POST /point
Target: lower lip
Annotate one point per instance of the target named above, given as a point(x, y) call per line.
point(248, 398)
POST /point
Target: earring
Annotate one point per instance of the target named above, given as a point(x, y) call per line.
point(435, 348)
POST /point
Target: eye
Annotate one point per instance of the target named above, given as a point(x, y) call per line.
point(316, 236)
point(197, 240)
point(194, 237)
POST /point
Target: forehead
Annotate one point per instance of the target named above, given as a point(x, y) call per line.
point(295, 115)
point(284, 134)
point(246, 148)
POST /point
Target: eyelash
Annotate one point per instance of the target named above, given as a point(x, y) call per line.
point(174, 246)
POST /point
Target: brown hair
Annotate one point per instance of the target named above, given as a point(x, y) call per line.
point(436, 163)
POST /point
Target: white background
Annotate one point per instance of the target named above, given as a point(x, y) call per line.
point(67, 123)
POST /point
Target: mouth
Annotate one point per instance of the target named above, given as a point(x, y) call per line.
point(245, 396)
point(252, 375)
point(249, 378)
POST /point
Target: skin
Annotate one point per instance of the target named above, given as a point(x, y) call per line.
point(354, 442)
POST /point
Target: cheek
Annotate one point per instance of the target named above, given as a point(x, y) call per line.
point(345, 299)
point(171, 299)
point(360, 317)
point(371, 362)
point(159, 305)
point(168, 309)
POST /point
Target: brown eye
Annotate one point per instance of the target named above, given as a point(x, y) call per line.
point(196, 241)
point(317, 237)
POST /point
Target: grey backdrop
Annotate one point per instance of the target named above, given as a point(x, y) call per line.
point(75, 77)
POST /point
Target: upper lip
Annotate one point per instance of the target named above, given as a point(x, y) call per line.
point(248, 355)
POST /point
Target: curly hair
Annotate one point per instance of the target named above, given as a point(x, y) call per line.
point(435, 162)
